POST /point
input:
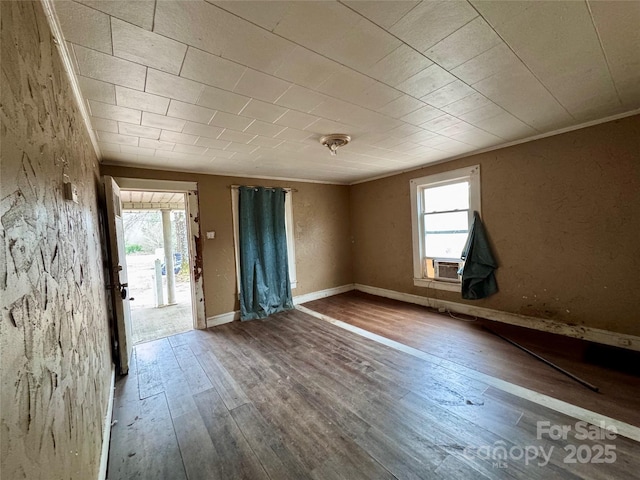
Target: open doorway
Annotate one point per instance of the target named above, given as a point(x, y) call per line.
point(158, 263)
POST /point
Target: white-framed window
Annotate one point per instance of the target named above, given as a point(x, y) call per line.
point(442, 207)
point(288, 223)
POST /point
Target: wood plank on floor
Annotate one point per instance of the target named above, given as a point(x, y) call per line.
point(149, 380)
point(274, 456)
point(143, 442)
point(127, 386)
point(294, 397)
point(470, 344)
point(235, 457)
point(232, 395)
point(455, 468)
point(201, 460)
point(196, 377)
point(174, 382)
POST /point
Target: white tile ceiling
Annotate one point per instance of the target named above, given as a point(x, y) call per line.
point(135, 200)
point(248, 87)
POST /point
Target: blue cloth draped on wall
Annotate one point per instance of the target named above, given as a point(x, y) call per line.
point(265, 287)
point(478, 277)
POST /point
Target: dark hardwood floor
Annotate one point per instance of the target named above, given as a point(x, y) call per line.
point(294, 397)
point(614, 371)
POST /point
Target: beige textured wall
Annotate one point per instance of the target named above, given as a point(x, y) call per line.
point(562, 214)
point(54, 335)
point(322, 233)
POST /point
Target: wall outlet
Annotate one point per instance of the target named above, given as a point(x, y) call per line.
point(211, 235)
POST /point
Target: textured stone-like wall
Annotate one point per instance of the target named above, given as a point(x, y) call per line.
point(54, 334)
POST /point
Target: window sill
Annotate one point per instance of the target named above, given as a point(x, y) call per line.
point(437, 285)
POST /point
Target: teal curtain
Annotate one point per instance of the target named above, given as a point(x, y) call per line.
point(265, 287)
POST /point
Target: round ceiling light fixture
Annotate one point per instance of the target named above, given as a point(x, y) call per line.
point(335, 141)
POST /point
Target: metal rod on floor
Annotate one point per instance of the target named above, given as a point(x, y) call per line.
point(542, 359)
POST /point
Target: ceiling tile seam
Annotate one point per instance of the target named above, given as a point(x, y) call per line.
point(458, 117)
point(208, 123)
point(604, 52)
point(235, 85)
point(288, 110)
point(217, 138)
point(446, 151)
point(454, 101)
point(113, 48)
point(153, 21)
point(272, 123)
point(407, 45)
point(245, 106)
point(476, 126)
point(147, 69)
point(279, 78)
point(450, 72)
point(396, 22)
point(304, 129)
point(463, 120)
point(111, 33)
point(335, 61)
point(101, 13)
point(166, 112)
point(114, 56)
point(144, 90)
point(254, 121)
point(153, 16)
point(436, 63)
point(202, 88)
point(497, 104)
point(525, 65)
point(275, 102)
point(157, 94)
point(456, 30)
point(184, 58)
point(246, 68)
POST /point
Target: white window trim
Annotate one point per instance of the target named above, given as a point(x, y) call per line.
point(473, 174)
point(288, 223)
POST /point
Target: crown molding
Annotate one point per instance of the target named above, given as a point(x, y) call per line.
point(513, 143)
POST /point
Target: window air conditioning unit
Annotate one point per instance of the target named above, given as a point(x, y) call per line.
point(447, 270)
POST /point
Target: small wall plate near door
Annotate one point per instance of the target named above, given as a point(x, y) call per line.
point(70, 191)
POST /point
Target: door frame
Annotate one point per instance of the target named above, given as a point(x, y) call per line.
point(190, 189)
point(117, 277)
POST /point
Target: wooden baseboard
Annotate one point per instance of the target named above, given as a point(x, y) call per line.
point(106, 428)
point(596, 335)
point(307, 297)
point(223, 318)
